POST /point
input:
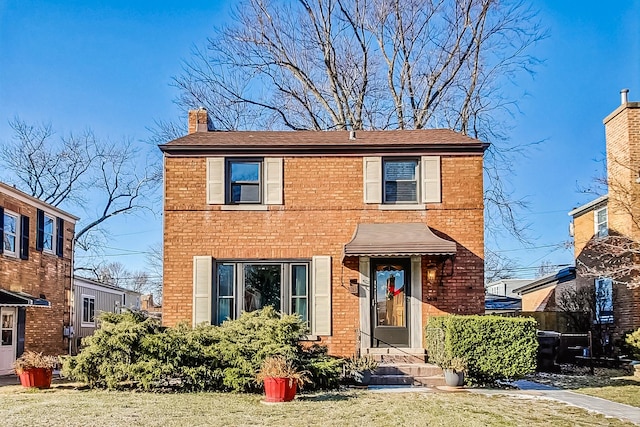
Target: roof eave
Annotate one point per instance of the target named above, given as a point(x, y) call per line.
point(462, 148)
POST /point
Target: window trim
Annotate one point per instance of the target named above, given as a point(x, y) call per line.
point(596, 224)
point(229, 183)
point(417, 179)
point(17, 236)
point(239, 279)
point(87, 323)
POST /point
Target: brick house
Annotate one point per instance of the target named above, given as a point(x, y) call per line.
point(615, 214)
point(36, 262)
point(364, 234)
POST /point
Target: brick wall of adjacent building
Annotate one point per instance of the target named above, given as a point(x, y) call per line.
point(323, 204)
point(622, 130)
point(42, 274)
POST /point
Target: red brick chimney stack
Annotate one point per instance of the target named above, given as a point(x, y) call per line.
point(198, 120)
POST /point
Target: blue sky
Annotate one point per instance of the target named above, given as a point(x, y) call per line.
point(107, 66)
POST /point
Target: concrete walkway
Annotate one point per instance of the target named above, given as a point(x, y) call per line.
point(590, 403)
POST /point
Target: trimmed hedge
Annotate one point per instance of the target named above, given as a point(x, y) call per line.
point(132, 351)
point(493, 347)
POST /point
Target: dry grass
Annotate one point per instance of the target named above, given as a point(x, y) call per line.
point(617, 385)
point(64, 405)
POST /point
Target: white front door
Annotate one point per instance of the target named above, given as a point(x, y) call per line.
point(8, 338)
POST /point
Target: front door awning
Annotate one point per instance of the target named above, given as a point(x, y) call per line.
point(21, 299)
point(397, 239)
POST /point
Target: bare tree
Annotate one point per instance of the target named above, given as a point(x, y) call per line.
point(615, 253)
point(371, 64)
point(116, 274)
point(155, 259)
point(498, 267)
point(78, 171)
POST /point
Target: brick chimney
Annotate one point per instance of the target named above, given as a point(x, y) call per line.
point(198, 120)
point(622, 131)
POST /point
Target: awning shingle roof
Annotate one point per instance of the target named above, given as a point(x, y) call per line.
point(397, 239)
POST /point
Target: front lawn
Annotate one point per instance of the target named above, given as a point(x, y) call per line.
point(65, 406)
point(612, 384)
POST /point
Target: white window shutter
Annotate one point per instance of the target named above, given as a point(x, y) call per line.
point(430, 174)
point(372, 179)
point(321, 295)
point(273, 181)
point(202, 287)
point(215, 180)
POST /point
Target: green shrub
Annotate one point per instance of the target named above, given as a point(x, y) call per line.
point(493, 347)
point(631, 344)
point(132, 351)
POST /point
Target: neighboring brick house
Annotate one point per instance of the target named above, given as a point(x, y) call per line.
point(364, 234)
point(616, 214)
point(36, 261)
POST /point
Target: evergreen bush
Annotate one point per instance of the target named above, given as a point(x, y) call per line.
point(132, 351)
point(493, 347)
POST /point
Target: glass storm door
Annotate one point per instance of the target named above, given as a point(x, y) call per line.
point(390, 302)
point(8, 339)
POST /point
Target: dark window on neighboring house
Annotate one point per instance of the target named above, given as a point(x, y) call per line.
point(604, 300)
point(400, 180)
point(244, 181)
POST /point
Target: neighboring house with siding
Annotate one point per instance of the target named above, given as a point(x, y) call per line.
point(90, 298)
point(610, 221)
point(36, 261)
point(363, 234)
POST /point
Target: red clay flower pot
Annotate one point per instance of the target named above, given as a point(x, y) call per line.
point(280, 389)
point(36, 377)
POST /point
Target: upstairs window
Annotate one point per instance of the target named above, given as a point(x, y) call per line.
point(245, 184)
point(406, 182)
point(244, 181)
point(10, 236)
point(401, 181)
point(48, 233)
point(601, 222)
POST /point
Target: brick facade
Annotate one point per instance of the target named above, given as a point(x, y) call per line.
point(44, 275)
point(622, 130)
point(322, 206)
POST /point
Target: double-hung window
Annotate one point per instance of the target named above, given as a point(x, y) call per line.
point(249, 286)
point(48, 233)
point(88, 310)
point(244, 183)
point(601, 222)
point(11, 233)
point(406, 182)
point(401, 180)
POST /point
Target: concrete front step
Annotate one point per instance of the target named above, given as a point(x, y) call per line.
point(411, 369)
point(397, 355)
point(418, 374)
